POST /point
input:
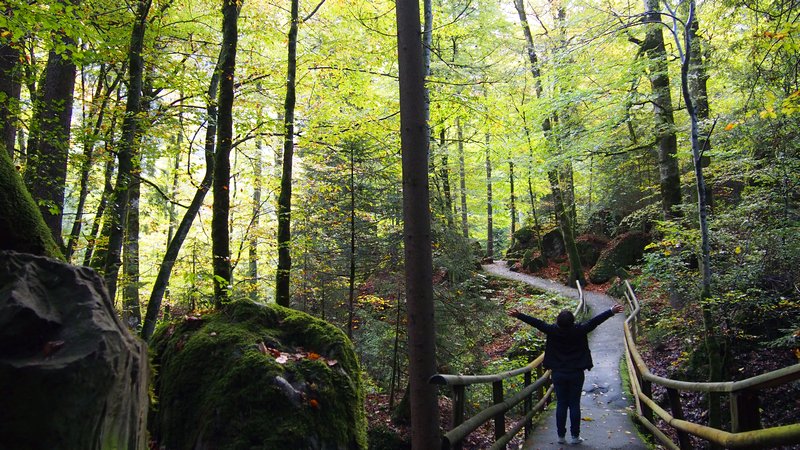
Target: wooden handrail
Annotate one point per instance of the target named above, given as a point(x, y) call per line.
point(744, 419)
point(462, 428)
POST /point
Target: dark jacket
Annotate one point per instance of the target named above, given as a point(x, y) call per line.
point(567, 348)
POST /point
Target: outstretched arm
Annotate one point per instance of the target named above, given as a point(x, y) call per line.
point(592, 323)
point(539, 324)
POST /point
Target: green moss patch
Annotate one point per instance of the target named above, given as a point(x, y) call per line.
point(256, 377)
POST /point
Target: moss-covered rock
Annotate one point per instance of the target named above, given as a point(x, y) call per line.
point(589, 248)
point(553, 244)
point(256, 377)
point(533, 261)
point(622, 251)
point(523, 239)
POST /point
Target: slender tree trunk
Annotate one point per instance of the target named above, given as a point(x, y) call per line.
point(131, 311)
point(174, 247)
point(444, 174)
point(489, 200)
point(220, 236)
point(95, 253)
point(89, 141)
point(282, 294)
point(253, 244)
point(417, 229)
point(462, 179)
point(669, 174)
point(714, 347)
point(128, 146)
point(513, 200)
point(352, 273)
point(46, 172)
point(173, 189)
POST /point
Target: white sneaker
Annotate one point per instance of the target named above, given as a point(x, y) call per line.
point(575, 440)
point(562, 440)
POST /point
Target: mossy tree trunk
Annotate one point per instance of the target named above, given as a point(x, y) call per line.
point(462, 179)
point(669, 174)
point(22, 227)
point(220, 238)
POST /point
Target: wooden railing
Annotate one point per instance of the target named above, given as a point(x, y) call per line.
point(540, 390)
point(744, 401)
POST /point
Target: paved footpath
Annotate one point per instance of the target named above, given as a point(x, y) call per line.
point(604, 407)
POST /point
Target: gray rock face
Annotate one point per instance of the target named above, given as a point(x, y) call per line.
point(71, 374)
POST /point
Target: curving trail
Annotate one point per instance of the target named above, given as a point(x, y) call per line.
point(604, 406)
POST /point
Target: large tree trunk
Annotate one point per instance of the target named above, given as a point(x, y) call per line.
point(9, 91)
point(46, 172)
point(669, 174)
point(175, 244)
point(282, 276)
point(128, 146)
point(417, 229)
point(220, 238)
point(351, 289)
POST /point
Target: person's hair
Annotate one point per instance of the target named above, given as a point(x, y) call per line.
point(565, 319)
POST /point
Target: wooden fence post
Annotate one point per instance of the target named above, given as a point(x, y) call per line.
point(745, 415)
point(500, 418)
point(526, 408)
point(677, 412)
point(459, 400)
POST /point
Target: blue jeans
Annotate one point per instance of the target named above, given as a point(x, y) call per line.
point(568, 385)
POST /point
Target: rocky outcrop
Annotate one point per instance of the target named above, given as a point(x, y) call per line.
point(622, 251)
point(71, 374)
point(256, 376)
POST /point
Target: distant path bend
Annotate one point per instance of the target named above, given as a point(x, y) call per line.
point(604, 406)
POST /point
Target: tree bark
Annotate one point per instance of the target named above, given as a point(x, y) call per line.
point(10, 88)
point(252, 268)
point(128, 146)
point(513, 200)
point(46, 171)
point(489, 200)
point(131, 311)
point(669, 174)
point(462, 179)
point(283, 273)
point(414, 137)
point(220, 236)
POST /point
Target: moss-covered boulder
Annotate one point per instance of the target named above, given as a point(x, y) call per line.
point(533, 261)
point(256, 377)
point(622, 251)
point(522, 240)
point(553, 244)
point(589, 248)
